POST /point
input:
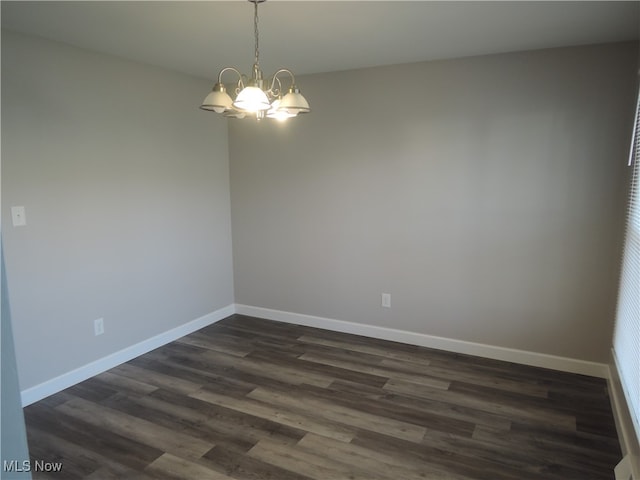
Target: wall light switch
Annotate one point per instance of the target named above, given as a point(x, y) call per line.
point(386, 300)
point(18, 216)
point(98, 326)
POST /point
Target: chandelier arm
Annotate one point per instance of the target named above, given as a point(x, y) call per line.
point(275, 76)
point(276, 92)
point(232, 69)
point(240, 82)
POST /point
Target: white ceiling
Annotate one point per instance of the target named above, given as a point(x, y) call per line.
point(199, 38)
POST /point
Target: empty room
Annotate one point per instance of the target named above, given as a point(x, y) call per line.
point(320, 240)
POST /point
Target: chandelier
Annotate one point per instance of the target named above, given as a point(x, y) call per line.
point(256, 96)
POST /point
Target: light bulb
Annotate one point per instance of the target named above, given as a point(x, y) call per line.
point(252, 99)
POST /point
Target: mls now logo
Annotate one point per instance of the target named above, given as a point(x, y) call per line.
point(27, 466)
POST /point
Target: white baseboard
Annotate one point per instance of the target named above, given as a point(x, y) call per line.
point(524, 357)
point(44, 389)
point(68, 379)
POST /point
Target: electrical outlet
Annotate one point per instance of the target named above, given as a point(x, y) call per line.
point(386, 300)
point(98, 326)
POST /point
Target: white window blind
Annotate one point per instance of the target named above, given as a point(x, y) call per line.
point(626, 340)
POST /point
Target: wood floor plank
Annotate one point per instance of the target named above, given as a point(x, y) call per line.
point(255, 343)
point(46, 446)
point(135, 428)
point(245, 467)
point(243, 326)
point(217, 344)
point(390, 410)
point(269, 370)
point(92, 390)
point(120, 383)
point(373, 461)
point(251, 399)
point(473, 378)
point(156, 379)
point(384, 353)
point(315, 465)
point(495, 407)
point(566, 456)
point(596, 447)
point(524, 463)
point(78, 460)
point(322, 369)
point(206, 421)
point(120, 448)
point(398, 402)
point(339, 414)
point(225, 378)
point(118, 472)
point(173, 467)
point(199, 373)
point(307, 422)
point(376, 370)
point(455, 462)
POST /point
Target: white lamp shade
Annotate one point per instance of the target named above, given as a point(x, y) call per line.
point(252, 99)
point(217, 101)
point(232, 113)
point(294, 102)
point(277, 113)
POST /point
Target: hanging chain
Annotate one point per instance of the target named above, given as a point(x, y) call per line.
point(255, 32)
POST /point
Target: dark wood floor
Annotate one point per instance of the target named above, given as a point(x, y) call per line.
point(254, 399)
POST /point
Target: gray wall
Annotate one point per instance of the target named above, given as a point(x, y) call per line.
point(489, 202)
point(126, 188)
